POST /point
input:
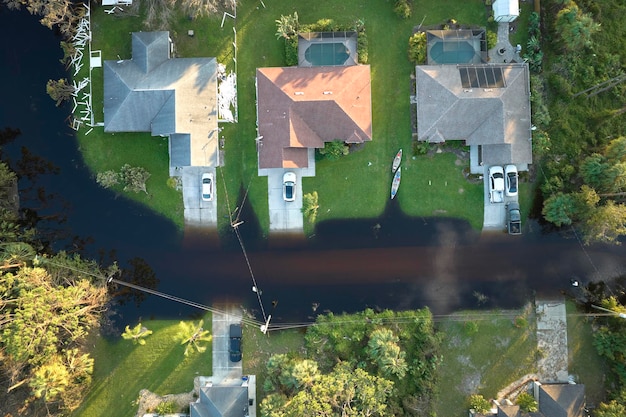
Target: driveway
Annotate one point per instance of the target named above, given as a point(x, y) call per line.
point(495, 213)
point(285, 216)
point(197, 211)
point(225, 371)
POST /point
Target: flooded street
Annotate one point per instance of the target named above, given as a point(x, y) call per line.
point(390, 262)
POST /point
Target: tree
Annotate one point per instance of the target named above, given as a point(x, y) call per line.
point(134, 178)
point(136, 334)
point(310, 206)
point(287, 26)
point(605, 224)
point(60, 90)
point(527, 402)
point(192, 336)
point(575, 27)
point(559, 209)
point(344, 391)
point(49, 381)
point(45, 322)
point(383, 349)
point(610, 409)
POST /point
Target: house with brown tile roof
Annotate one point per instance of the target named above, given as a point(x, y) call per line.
point(299, 109)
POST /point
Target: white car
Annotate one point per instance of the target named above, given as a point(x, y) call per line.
point(289, 186)
point(496, 184)
point(511, 178)
point(207, 186)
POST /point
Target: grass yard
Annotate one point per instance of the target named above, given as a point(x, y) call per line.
point(367, 169)
point(584, 361)
point(484, 357)
point(435, 186)
point(258, 347)
point(122, 369)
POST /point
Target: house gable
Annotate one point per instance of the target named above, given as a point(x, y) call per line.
point(164, 96)
point(484, 114)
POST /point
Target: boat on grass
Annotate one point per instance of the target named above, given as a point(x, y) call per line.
point(396, 161)
point(395, 184)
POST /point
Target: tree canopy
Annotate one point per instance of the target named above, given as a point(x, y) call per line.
point(389, 357)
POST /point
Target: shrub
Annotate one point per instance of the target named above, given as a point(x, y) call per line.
point(291, 51)
point(362, 43)
point(417, 48)
point(492, 39)
point(402, 9)
point(166, 407)
point(527, 402)
point(107, 179)
point(334, 150)
point(479, 404)
point(470, 328)
point(420, 147)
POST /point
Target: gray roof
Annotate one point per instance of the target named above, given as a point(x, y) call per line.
point(562, 400)
point(155, 93)
point(221, 401)
point(497, 118)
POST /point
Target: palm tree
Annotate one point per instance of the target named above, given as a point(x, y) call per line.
point(192, 336)
point(287, 26)
point(310, 206)
point(136, 334)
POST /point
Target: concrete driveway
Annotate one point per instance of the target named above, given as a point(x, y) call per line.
point(197, 211)
point(225, 371)
point(285, 216)
point(494, 213)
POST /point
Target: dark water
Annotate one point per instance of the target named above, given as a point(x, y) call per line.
point(391, 262)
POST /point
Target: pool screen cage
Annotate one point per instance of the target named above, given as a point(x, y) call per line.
point(460, 46)
point(326, 46)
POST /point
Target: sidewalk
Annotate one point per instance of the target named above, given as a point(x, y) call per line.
point(552, 340)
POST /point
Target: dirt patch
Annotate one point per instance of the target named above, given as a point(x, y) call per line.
point(470, 383)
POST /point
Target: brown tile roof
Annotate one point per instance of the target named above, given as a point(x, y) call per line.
point(300, 108)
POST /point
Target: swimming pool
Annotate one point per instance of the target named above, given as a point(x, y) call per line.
point(461, 52)
point(335, 53)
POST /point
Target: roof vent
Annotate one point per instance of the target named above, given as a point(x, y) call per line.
point(299, 93)
point(327, 92)
point(467, 90)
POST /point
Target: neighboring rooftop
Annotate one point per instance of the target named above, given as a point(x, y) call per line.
point(485, 105)
point(175, 97)
point(302, 108)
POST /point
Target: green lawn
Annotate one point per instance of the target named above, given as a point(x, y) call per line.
point(367, 169)
point(584, 361)
point(482, 359)
point(122, 369)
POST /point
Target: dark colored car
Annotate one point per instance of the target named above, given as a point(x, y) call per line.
point(235, 343)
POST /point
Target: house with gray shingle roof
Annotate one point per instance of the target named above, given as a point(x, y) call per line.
point(229, 400)
point(553, 400)
point(173, 97)
point(485, 105)
point(299, 109)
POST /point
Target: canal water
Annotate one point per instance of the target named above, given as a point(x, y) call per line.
point(391, 262)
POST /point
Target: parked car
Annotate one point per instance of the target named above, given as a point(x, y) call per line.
point(234, 348)
point(496, 184)
point(207, 186)
point(289, 186)
point(511, 178)
point(513, 219)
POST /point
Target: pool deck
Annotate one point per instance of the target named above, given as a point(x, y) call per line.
point(509, 55)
